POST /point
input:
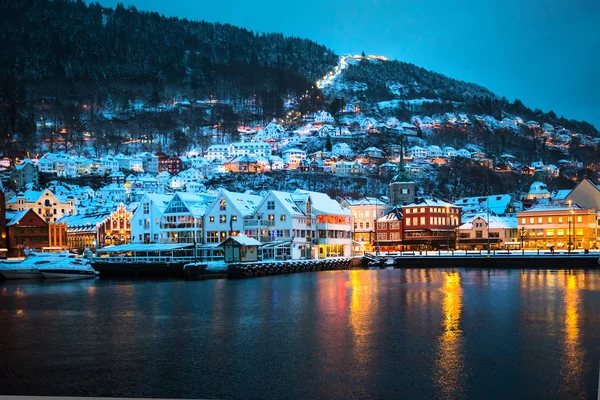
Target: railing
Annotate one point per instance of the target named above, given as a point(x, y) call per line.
point(153, 259)
point(484, 253)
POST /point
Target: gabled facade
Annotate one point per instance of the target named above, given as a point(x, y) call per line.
point(145, 221)
point(227, 215)
point(182, 220)
point(25, 173)
point(44, 203)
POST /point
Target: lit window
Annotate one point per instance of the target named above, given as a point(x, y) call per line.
point(549, 232)
point(549, 220)
point(560, 232)
point(223, 205)
point(579, 232)
point(560, 220)
point(540, 220)
point(211, 219)
point(579, 218)
point(523, 220)
point(531, 220)
point(222, 218)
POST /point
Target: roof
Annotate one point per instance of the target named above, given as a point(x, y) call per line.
point(431, 202)
point(160, 200)
point(495, 222)
point(322, 203)
point(245, 203)
point(242, 240)
point(84, 219)
point(367, 201)
point(17, 217)
point(287, 201)
point(401, 178)
point(498, 204)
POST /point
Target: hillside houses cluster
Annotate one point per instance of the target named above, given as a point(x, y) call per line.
point(296, 225)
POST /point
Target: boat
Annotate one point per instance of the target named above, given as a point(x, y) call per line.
point(29, 268)
point(70, 268)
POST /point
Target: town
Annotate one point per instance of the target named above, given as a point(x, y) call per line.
point(159, 199)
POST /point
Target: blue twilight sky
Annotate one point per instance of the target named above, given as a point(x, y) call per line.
point(544, 52)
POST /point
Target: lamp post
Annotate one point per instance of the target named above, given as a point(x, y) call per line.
point(523, 234)
point(448, 225)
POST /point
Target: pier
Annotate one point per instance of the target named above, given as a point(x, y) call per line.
point(482, 259)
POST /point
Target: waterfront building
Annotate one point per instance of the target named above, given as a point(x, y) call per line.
point(333, 236)
point(82, 230)
point(430, 223)
point(26, 230)
point(501, 231)
point(182, 219)
point(240, 248)
point(390, 231)
point(283, 223)
point(365, 213)
point(228, 215)
point(559, 226)
point(116, 229)
point(145, 221)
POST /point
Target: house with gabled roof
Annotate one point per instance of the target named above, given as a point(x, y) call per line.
point(227, 215)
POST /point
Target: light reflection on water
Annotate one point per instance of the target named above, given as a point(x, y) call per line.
point(346, 334)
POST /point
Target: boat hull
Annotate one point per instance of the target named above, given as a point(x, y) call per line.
point(67, 274)
point(21, 273)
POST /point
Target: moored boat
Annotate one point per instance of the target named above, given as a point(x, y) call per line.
point(68, 269)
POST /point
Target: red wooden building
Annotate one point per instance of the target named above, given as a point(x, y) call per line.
point(173, 165)
point(389, 231)
point(26, 230)
point(430, 224)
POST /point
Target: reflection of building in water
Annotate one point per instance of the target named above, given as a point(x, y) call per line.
point(363, 309)
point(450, 363)
point(572, 359)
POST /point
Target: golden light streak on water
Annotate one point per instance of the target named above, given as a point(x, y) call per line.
point(450, 362)
point(572, 360)
point(362, 313)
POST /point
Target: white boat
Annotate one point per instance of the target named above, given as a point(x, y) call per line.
point(29, 268)
point(71, 268)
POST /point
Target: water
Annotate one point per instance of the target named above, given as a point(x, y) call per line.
point(345, 334)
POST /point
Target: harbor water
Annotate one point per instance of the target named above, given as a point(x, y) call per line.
point(360, 334)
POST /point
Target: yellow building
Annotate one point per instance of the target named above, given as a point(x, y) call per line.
point(560, 226)
point(44, 203)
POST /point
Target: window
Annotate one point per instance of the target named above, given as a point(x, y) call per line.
point(531, 220)
point(422, 209)
point(361, 225)
point(579, 232)
point(270, 205)
point(282, 217)
point(549, 220)
point(540, 232)
point(223, 205)
point(549, 232)
point(407, 221)
point(146, 208)
point(560, 232)
point(560, 220)
point(222, 218)
point(540, 220)
point(478, 234)
point(422, 221)
point(523, 220)
point(211, 219)
point(494, 234)
point(367, 225)
point(404, 191)
point(579, 218)
point(234, 218)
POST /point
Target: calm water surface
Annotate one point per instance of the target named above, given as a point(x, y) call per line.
point(414, 334)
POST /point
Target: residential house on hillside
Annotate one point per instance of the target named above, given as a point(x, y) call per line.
point(25, 173)
point(342, 150)
point(292, 157)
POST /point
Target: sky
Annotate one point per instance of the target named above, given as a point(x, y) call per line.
point(544, 52)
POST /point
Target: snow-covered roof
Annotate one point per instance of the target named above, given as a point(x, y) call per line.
point(17, 217)
point(243, 240)
point(245, 203)
point(431, 202)
point(287, 200)
point(323, 204)
point(498, 204)
point(495, 222)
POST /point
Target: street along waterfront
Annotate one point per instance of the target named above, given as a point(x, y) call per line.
point(419, 333)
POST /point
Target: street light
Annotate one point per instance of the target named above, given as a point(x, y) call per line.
point(523, 235)
point(448, 224)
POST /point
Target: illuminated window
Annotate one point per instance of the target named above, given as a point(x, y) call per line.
point(211, 219)
point(540, 220)
point(549, 232)
point(579, 232)
point(579, 218)
point(549, 220)
point(560, 220)
point(407, 221)
point(223, 205)
point(560, 232)
point(422, 222)
point(422, 209)
point(531, 220)
point(523, 220)
point(222, 218)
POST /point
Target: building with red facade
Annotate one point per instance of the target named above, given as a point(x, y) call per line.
point(173, 165)
point(389, 231)
point(26, 230)
point(430, 224)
